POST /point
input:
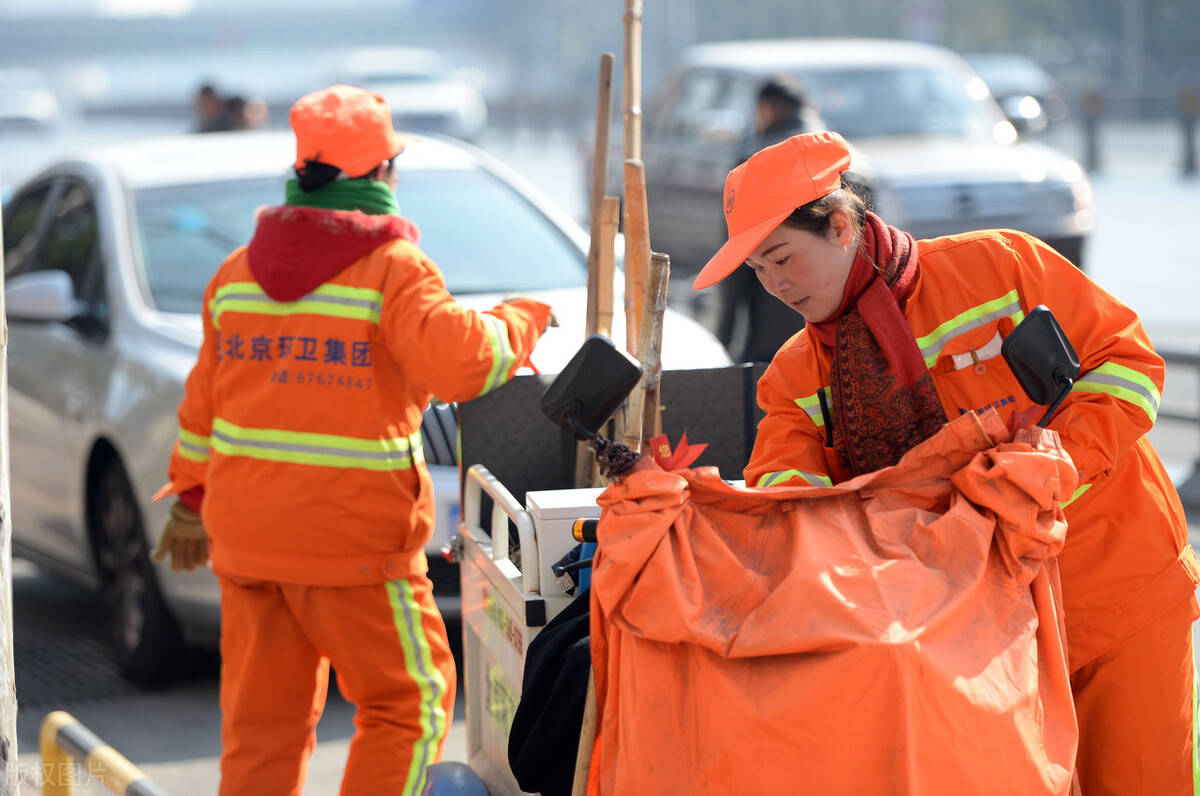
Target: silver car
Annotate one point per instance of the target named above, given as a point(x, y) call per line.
point(106, 258)
point(943, 157)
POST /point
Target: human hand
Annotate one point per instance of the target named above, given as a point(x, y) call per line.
point(184, 540)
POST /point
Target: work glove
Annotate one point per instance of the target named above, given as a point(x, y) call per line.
point(184, 540)
point(510, 298)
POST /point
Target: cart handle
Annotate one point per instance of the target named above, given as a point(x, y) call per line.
point(504, 508)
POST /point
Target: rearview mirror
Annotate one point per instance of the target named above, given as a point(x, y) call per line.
point(1042, 358)
point(46, 296)
point(593, 384)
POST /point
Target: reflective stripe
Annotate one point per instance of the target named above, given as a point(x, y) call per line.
point(193, 446)
point(326, 450)
point(337, 301)
point(812, 407)
point(771, 479)
point(1124, 383)
point(418, 663)
point(502, 354)
point(1082, 488)
point(1007, 306)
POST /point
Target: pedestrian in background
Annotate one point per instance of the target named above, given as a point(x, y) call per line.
point(300, 466)
point(751, 323)
point(904, 334)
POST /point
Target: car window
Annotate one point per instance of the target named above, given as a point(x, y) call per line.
point(483, 235)
point(698, 91)
point(72, 240)
point(861, 103)
point(20, 229)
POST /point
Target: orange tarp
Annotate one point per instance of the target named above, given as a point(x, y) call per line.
point(898, 633)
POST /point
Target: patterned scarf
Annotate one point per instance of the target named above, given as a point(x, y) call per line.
point(884, 400)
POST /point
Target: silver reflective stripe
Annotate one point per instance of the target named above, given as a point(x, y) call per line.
point(327, 450)
point(502, 354)
point(339, 301)
point(812, 406)
point(1124, 383)
point(1007, 306)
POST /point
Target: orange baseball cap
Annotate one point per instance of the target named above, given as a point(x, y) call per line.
point(764, 190)
point(344, 126)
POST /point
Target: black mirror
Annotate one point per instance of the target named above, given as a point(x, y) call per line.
point(583, 397)
point(1042, 358)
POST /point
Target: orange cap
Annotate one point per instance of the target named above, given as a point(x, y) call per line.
point(344, 126)
point(765, 190)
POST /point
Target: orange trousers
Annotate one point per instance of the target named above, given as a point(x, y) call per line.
point(388, 645)
point(1136, 710)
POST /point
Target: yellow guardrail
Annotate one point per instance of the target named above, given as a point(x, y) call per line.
point(70, 749)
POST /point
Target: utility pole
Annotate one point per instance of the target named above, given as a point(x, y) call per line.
point(8, 683)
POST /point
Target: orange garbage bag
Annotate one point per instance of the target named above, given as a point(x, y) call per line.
point(899, 633)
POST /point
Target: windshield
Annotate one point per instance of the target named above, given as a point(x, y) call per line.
point(860, 103)
point(485, 237)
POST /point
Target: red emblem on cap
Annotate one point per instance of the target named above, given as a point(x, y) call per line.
point(729, 196)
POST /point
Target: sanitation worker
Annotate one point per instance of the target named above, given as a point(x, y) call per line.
point(299, 464)
point(902, 335)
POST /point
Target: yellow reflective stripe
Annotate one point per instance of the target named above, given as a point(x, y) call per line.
point(328, 450)
point(771, 479)
point(193, 446)
point(1007, 306)
point(1124, 383)
point(812, 407)
point(502, 354)
point(418, 663)
point(1083, 488)
point(337, 301)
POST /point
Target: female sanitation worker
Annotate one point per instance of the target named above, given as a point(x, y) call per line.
point(299, 461)
point(902, 335)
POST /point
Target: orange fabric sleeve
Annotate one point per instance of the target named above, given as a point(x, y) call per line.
point(189, 457)
point(788, 444)
point(1115, 399)
point(453, 351)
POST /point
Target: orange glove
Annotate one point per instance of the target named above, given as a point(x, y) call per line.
point(184, 539)
point(511, 297)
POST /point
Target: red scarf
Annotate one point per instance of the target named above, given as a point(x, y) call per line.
point(884, 400)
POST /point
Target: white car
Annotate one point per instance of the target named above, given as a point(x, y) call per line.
point(423, 90)
point(106, 259)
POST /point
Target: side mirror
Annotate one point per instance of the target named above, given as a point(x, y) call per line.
point(46, 296)
point(593, 384)
point(1042, 358)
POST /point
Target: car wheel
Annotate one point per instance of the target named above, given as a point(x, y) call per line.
point(144, 635)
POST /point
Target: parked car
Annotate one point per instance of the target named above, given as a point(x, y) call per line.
point(423, 90)
point(106, 258)
point(942, 156)
point(1029, 96)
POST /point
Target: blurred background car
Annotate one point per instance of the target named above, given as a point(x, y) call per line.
point(1028, 95)
point(27, 100)
point(107, 255)
point(942, 156)
point(423, 91)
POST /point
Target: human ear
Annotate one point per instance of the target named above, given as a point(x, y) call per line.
point(840, 227)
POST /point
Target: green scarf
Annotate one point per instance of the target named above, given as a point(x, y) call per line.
point(370, 196)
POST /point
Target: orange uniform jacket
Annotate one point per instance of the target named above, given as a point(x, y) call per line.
point(302, 419)
point(1127, 559)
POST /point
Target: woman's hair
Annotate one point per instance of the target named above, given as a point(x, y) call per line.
point(814, 216)
point(316, 175)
